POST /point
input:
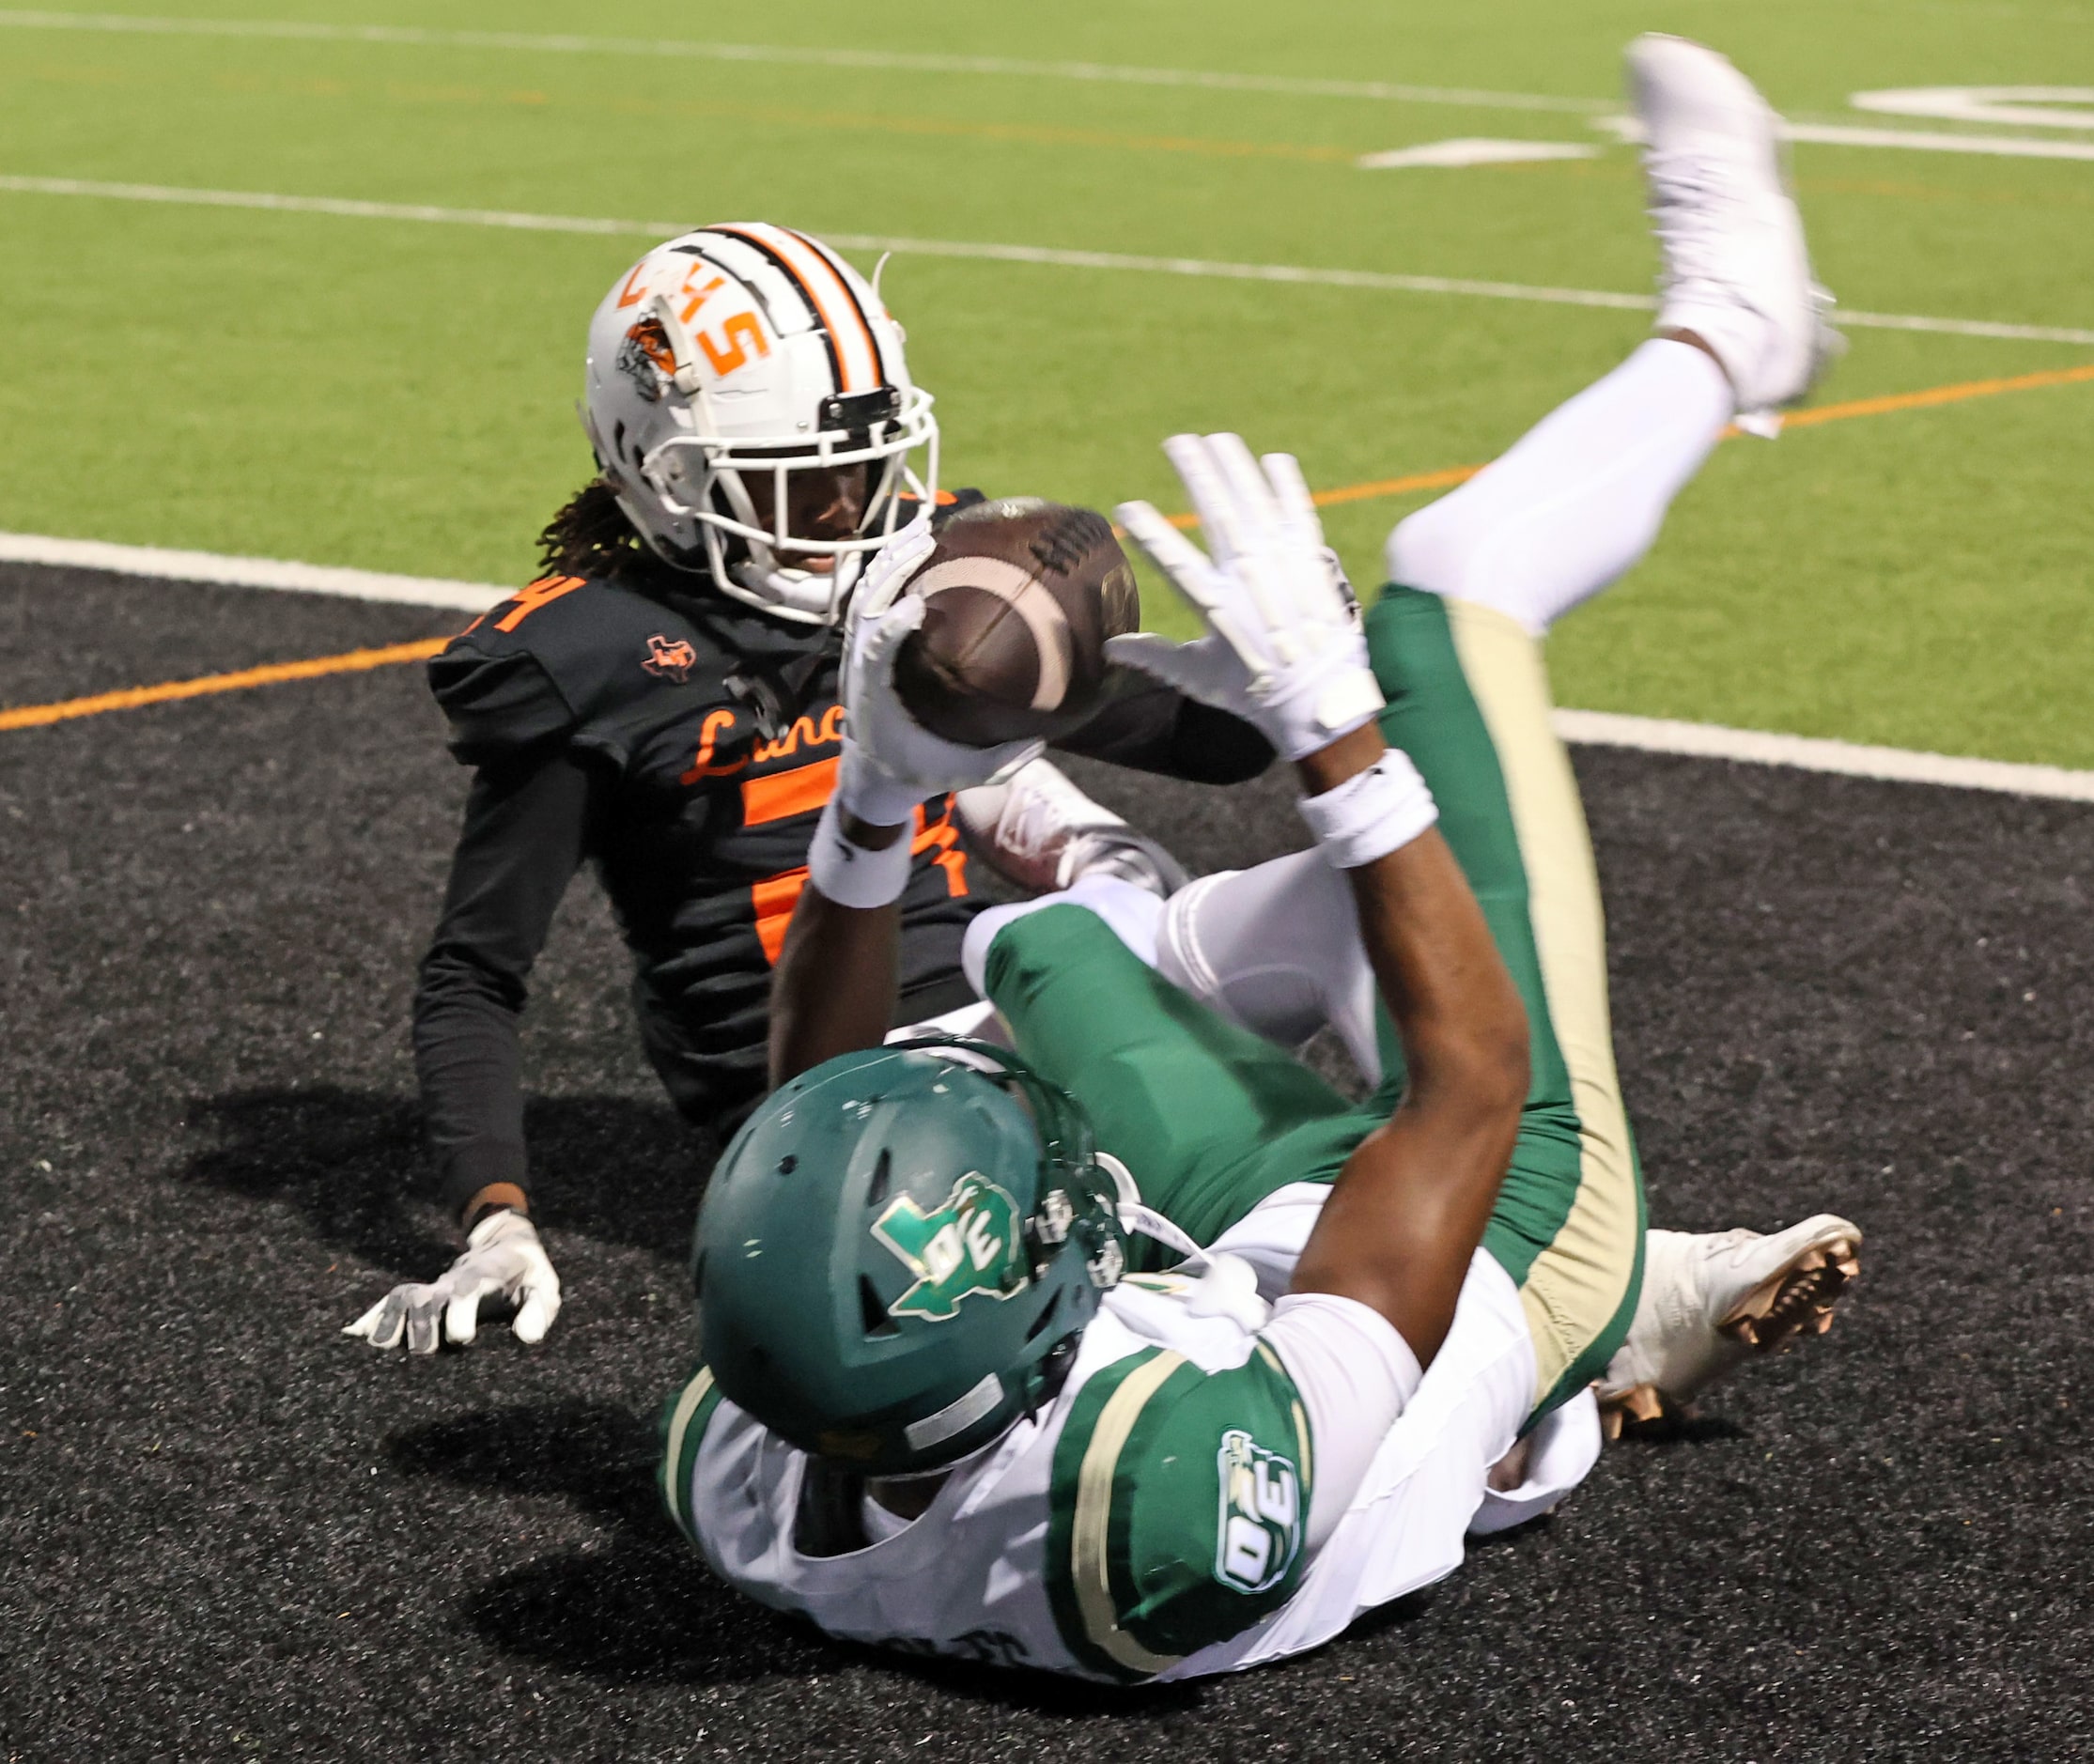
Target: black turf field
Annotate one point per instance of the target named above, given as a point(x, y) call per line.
point(227, 1532)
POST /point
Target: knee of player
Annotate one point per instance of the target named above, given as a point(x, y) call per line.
point(1430, 550)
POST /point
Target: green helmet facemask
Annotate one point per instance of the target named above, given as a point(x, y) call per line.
point(898, 1250)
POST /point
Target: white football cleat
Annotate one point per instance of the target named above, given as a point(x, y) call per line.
point(1737, 272)
point(1040, 831)
point(1707, 1302)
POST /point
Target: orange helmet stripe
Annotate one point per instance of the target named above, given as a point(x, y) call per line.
point(858, 368)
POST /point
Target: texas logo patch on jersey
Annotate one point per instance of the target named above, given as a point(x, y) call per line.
point(968, 1244)
point(671, 660)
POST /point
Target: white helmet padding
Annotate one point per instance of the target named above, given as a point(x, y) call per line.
point(744, 350)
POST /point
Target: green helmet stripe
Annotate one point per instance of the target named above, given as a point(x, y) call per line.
point(684, 1420)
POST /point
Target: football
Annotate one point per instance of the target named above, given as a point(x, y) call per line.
point(1021, 595)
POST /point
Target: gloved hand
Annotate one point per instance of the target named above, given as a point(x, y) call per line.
point(890, 762)
point(1285, 652)
point(502, 1257)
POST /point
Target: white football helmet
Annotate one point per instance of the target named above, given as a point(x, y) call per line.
point(725, 366)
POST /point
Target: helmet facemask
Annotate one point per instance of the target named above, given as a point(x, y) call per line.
point(744, 494)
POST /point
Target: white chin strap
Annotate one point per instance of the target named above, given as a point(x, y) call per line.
point(801, 597)
point(804, 596)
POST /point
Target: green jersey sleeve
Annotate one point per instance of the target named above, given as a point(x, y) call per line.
point(1180, 1504)
point(684, 1420)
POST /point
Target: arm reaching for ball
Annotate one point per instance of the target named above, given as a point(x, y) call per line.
point(836, 982)
point(1286, 652)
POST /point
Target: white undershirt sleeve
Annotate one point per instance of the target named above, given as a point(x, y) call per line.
point(1354, 1374)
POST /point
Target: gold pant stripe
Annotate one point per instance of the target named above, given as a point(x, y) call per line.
point(1575, 1285)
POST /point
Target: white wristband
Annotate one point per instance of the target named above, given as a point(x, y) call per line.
point(852, 874)
point(1372, 813)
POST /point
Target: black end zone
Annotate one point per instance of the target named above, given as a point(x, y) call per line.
point(231, 1533)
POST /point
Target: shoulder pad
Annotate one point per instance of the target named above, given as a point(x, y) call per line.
point(1180, 1507)
point(950, 503)
point(561, 653)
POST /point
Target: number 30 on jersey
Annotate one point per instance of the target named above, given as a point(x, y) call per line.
point(1260, 1514)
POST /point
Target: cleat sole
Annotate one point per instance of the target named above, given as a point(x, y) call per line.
point(1797, 1301)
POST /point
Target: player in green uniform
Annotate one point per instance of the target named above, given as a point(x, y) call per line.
point(934, 1413)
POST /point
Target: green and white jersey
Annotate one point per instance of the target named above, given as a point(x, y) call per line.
point(1157, 1508)
point(1157, 1521)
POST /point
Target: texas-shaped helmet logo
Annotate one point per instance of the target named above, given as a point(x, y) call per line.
point(968, 1244)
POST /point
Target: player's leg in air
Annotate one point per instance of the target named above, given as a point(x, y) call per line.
point(1476, 580)
point(935, 1415)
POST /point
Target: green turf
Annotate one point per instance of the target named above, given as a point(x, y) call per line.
point(397, 396)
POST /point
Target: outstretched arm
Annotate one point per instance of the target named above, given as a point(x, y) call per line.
point(1286, 651)
point(1410, 1206)
point(835, 987)
point(836, 982)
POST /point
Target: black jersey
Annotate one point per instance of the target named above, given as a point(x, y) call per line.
point(686, 746)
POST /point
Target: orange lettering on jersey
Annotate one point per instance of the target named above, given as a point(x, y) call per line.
point(703, 767)
point(543, 592)
point(782, 795)
point(833, 724)
point(774, 898)
point(788, 743)
point(941, 840)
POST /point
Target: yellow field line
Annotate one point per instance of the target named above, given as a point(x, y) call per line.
point(357, 660)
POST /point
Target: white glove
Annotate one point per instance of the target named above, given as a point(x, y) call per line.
point(890, 762)
point(1286, 651)
point(502, 1257)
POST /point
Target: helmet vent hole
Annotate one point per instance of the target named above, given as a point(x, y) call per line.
point(883, 1174)
point(872, 1313)
point(788, 1163)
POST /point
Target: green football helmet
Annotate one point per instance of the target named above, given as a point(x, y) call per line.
point(898, 1250)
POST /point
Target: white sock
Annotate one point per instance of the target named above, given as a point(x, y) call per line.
point(1578, 499)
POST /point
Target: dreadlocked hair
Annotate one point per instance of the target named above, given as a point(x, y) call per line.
point(591, 537)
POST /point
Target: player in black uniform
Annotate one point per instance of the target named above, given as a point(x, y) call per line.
point(663, 702)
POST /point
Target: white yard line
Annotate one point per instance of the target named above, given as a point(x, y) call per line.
point(251, 572)
point(1370, 280)
point(908, 61)
point(342, 206)
point(2016, 147)
point(1658, 734)
point(1629, 130)
point(877, 60)
point(1584, 727)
